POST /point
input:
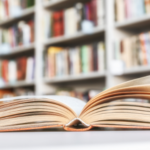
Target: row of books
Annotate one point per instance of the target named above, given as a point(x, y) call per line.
point(71, 61)
point(85, 96)
point(19, 34)
point(82, 17)
point(13, 8)
point(16, 92)
point(126, 9)
point(17, 70)
point(134, 51)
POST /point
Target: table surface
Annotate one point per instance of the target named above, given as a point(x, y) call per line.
point(18, 140)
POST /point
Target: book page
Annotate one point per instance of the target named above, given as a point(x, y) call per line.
point(75, 104)
point(136, 86)
point(131, 83)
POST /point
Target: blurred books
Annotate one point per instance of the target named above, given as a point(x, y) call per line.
point(20, 69)
point(16, 92)
point(20, 34)
point(129, 9)
point(13, 8)
point(134, 51)
point(74, 61)
point(82, 17)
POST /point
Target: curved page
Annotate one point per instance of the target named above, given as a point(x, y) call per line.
point(143, 82)
point(75, 104)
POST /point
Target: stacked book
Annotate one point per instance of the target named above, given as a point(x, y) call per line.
point(72, 61)
point(13, 8)
point(20, 34)
point(82, 17)
point(16, 70)
point(126, 9)
point(134, 51)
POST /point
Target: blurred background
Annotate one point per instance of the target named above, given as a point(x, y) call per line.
point(72, 47)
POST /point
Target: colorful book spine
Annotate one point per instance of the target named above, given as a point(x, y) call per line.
point(128, 9)
point(20, 34)
point(13, 8)
point(76, 60)
point(20, 69)
point(134, 50)
point(82, 17)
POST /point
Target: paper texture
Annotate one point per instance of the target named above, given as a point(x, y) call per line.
point(75, 104)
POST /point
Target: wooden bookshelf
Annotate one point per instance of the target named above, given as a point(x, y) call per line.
point(80, 77)
point(19, 50)
point(18, 84)
point(25, 14)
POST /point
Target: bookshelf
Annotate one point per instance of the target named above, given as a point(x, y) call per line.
point(134, 23)
point(19, 50)
point(79, 37)
point(137, 70)
point(79, 77)
point(18, 84)
point(109, 33)
point(28, 12)
point(60, 4)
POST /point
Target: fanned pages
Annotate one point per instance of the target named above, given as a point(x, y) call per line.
point(114, 108)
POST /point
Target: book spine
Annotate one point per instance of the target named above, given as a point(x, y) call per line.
point(95, 57)
point(101, 57)
point(80, 14)
point(21, 71)
point(101, 12)
point(84, 59)
point(12, 71)
point(6, 8)
point(94, 12)
point(58, 24)
point(140, 6)
point(147, 45)
point(29, 69)
point(5, 71)
point(143, 48)
point(147, 6)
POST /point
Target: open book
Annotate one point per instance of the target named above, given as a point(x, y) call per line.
point(104, 110)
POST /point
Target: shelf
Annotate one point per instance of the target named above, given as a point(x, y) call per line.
point(135, 23)
point(80, 77)
point(76, 39)
point(19, 50)
point(25, 13)
point(17, 84)
point(60, 4)
point(137, 70)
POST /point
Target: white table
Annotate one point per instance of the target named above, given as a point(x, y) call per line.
point(103, 140)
